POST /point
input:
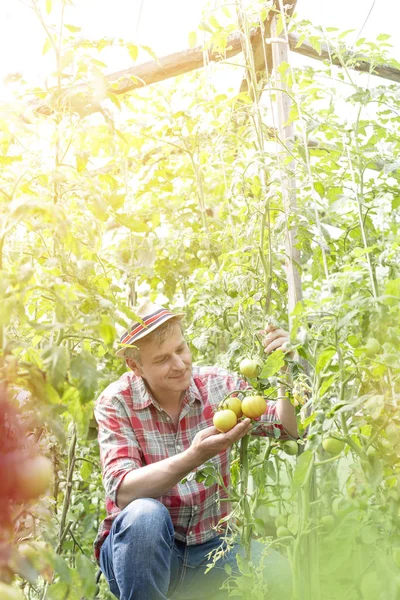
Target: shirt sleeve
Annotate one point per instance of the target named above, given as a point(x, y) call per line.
point(270, 425)
point(119, 449)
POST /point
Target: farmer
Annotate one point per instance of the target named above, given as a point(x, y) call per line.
point(155, 428)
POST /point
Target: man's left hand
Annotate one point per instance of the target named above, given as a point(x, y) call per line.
point(275, 338)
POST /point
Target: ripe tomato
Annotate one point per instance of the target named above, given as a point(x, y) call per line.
point(234, 403)
point(34, 477)
point(332, 445)
point(290, 447)
point(7, 592)
point(253, 406)
point(224, 420)
point(372, 347)
point(248, 367)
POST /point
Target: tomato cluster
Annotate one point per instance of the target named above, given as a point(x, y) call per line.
point(24, 474)
point(232, 409)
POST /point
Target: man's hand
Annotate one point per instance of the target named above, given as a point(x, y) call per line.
point(209, 442)
point(275, 339)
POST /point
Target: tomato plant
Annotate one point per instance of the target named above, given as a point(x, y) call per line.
point(192, 208)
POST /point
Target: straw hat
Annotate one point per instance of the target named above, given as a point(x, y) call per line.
point(152, 315)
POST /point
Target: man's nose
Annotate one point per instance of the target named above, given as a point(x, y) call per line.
point(178, 362)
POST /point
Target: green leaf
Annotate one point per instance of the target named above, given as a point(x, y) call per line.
point(324, 359)
point(383, 36)
point(87, 573)
point(326, 384)
point(81, 162)
point(374, 406)
point(73, 28)
point(150, 51)
point(84, 375)
point(301, 470)
point(393, 289)
point(319, 188)
point(7, 160)
point(192, 39)
point(56, 361)
point(204, 27)
point(133, 51)
point(46, 46)
point(273, 364)
point(396, 202)
point(49, 6)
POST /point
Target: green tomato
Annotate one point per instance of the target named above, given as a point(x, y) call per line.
point(372, 347)
point(290, 447)
point(332, 445)
point(248, 367)
point(327, 522)
point(280, 521)
point(282, 532)
point(236, 326)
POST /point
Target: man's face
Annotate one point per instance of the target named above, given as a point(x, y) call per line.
point(166, 367)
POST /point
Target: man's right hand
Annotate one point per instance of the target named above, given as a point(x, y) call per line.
point(209, 442)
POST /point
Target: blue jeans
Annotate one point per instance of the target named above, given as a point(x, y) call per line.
point(141, 560)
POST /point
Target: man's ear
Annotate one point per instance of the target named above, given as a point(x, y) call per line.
point(134, 366)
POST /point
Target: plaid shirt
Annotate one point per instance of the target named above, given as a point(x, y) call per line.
point(134, 431)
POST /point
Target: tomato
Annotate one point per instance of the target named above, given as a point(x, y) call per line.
point(248, 367)
point(234, 403)
point(280, 521)
point(372, 347)
point(224, 420)
point(236, 326)
point(34, 477)
point(290, 447)
point(332, 445)
point(7, 592)
point(282, 532)
point(327, 522)
point(253, 406)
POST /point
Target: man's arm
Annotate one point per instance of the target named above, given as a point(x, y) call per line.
point(156, 479)
point(278, 339)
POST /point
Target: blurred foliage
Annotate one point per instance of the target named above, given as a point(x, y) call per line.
point(176, 192)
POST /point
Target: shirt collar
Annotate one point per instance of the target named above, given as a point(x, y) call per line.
point(142, 398)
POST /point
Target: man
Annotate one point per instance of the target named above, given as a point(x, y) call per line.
point(155, 428)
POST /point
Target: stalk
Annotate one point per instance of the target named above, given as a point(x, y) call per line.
point(246, 528)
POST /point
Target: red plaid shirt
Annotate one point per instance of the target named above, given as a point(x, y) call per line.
point(135, 431)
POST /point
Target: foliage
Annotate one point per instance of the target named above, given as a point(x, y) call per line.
point(178, 191)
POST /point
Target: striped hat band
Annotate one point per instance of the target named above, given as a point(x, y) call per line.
point(151, 321)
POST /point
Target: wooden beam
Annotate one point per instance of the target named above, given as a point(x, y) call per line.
point(79, 99)
point(263, 53)
point(351, 59)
